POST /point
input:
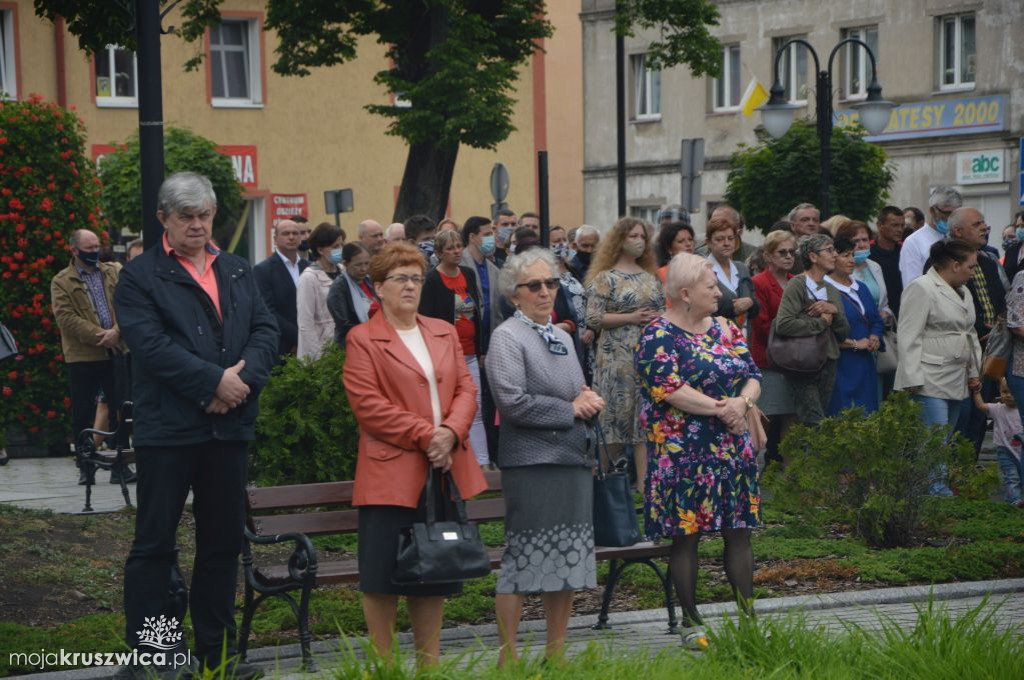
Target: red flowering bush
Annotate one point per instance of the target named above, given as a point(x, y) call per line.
point(48, 188)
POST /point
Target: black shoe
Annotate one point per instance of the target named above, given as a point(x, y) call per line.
point(129, 476)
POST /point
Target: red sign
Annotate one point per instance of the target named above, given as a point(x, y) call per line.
point(243, 158)
point(101, 150)
point(287, 206)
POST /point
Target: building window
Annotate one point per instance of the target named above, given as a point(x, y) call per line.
point(957, 51)
point(647, 213)
point(8, 70)
point(793, 69)
point(646, 89)
point(727, 87)
point(117, 77)
point(235, 63)
point(858, 63)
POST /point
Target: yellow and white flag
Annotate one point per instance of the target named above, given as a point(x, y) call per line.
point(753, 97)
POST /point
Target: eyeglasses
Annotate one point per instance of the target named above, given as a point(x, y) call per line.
point(402, 279)
point(534, 286)
point(786, 252)
point(827, 249)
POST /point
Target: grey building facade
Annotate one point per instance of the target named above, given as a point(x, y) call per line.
point(956, 67)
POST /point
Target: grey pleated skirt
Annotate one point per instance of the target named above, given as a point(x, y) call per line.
point(549, 529)
point(775, 396)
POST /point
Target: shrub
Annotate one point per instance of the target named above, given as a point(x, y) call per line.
point(874, 471)
point(47, 189)
point(305, 432)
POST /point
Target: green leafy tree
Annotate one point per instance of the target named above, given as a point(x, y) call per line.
point(47, 190)
point(121, 197)
point(767, 180)
point(455, 61)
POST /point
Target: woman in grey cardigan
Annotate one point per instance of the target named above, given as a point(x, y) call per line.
point(543, 454)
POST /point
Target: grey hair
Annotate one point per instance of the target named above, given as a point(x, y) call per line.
point(944, 198)
point(811, 243)
point(185, 191)
point(517, 264)
point(958, 218)
point(445, 239)
point(361, 229)
point(75, 238)
point(684, 271)
point(802, 206)
point(393, 230)
point(586, 229)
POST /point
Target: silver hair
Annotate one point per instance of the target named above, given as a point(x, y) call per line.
point(811, 243)
point(585, 229)
point(393, 229)
point(517, 264)
point(802, 206)
point(185, 191)
point(958, 218)
point(684, 271)
point(944, 198)
point(363, 226)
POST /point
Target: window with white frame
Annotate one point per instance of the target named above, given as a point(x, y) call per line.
point(857, 73)
point(727, 87)
point(8, 72)
point(117, 77)
point(235, 63)
point(647, 213)
point(793, 69)
point(646, 89)
point(957, 51)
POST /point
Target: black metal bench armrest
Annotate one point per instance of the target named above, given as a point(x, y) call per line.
point(302, 563)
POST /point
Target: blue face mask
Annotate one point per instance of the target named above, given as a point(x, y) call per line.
point(487, 245)
point(942, 226)
point(427, 247)
point(1019, 233)
point(572, 254)
point(861, 256)
point(506, 233)
point(335, 256)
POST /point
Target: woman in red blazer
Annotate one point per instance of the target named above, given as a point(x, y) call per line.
point(779, 255)
point(414, 399)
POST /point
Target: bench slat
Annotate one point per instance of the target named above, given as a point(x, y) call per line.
point(297, 495)
point(309, 523)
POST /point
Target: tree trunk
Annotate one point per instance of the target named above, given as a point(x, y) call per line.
point(426, 182)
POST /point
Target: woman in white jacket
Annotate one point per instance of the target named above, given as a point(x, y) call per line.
point(316, 325)
point(940, 356)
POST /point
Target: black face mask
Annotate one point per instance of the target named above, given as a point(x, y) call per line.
point(303, 246)
point(89, 259)
point(584, 258)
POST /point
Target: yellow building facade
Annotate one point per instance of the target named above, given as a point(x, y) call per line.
point(292, 138)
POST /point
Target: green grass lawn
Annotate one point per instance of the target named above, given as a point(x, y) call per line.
point(61, 576)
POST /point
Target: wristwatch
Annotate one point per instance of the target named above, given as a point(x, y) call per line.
point(748, 401)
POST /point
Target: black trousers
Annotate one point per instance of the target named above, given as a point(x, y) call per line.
point(215, 471)
point(85, 379)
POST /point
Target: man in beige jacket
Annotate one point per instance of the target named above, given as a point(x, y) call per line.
point(82, 297)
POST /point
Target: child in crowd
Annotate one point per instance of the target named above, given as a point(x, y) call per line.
point(1007, 436)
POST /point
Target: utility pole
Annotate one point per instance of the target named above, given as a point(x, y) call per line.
point(151, 115)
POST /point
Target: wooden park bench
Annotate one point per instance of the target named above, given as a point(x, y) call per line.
point(281, 514)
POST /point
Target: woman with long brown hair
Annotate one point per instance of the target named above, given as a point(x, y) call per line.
point(623, 296)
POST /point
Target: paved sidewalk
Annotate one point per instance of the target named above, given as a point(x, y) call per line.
point(649, 629)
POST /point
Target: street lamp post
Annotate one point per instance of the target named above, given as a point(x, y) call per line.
point(778, 113)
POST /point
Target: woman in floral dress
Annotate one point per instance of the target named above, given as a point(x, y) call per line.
point(699, 381)
point(623, 295)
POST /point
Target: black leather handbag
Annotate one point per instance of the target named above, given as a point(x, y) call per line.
point(614, 512)
point(441, 551)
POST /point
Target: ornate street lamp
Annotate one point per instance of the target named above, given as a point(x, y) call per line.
point(777, 115)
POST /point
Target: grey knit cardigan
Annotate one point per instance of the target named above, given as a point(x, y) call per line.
point(534, 390)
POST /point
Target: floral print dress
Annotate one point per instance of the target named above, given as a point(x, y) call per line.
point(700, 477)
point(615, 292)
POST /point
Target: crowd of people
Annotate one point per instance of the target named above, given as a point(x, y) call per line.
point(474, 347)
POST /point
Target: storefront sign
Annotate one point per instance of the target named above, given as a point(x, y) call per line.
point(243, 158)
point(287, 206)
point(938, 118)
point(979, 167)
point(101, 150)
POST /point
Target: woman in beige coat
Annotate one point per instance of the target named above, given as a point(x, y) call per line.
point(316, 325)
point(939, 354)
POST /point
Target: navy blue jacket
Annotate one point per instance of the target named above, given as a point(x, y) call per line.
point(278, 290)
point(180, 348)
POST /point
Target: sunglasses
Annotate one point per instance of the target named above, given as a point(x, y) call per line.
point(534, 286)
point(785, 252)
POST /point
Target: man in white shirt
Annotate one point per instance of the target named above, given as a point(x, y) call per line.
point(277, 278)
point(942, 202)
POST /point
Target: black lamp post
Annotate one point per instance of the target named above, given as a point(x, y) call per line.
point(778, 113)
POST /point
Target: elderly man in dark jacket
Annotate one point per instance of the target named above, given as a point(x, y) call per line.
point(203, 343)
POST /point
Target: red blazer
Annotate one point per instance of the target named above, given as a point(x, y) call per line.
point(769, 295)
point(390, 397)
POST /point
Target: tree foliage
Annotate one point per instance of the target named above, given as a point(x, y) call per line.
point(683, 28)
point(121, 197)
point(767, 180)
point(47, 190)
